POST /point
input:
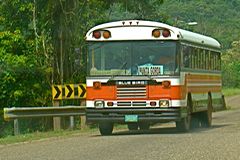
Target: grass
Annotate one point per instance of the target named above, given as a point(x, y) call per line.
point(231, 91)
point(43, 135)
point(52, 134)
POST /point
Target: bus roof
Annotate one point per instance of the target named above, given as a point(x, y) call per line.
point(142, 30)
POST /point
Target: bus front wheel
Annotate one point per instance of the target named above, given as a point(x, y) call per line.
point(105, 128)
point(184, 124)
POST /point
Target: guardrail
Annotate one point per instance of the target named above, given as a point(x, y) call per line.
point(31, 112)
point(16, 113)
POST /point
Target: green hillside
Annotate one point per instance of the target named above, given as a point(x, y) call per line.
point(217, 18)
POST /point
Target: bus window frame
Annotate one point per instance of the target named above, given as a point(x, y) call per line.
point(201, 58)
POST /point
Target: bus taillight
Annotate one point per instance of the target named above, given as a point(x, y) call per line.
point(166, 33)
point(156, 33)
point(106, 34)
point(161, 32)
point(97, 34)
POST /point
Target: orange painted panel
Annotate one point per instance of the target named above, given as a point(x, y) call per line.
point(105, 92)
point(156, 92)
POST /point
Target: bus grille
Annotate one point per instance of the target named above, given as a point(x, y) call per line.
point(131, 92)
point(131, 104)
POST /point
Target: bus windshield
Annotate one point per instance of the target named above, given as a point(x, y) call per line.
point(134, 58)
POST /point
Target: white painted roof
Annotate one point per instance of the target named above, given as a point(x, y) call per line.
point(142, 30)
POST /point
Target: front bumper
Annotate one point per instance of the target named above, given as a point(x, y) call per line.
point(117, 115)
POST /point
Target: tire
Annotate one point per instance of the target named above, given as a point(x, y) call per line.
point(184, 124)
point(105, 128)
point(132, 126)
point(206, 117)
point(144, 126)
point(195, 121)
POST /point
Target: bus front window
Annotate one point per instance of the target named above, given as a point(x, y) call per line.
point(150, 58)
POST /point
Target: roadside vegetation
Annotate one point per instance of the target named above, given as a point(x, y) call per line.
point(231, 91)
point(42, 43)
point(35, 136)
point(28, 137)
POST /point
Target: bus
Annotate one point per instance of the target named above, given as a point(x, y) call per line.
point(141, 73)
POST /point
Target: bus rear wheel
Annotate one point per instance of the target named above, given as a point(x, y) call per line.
point(195, 120)
point(206, 117)
point(105, 128)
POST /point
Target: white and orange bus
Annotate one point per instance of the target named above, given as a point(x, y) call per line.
point(142, 72)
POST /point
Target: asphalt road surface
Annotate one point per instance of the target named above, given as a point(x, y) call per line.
point(220, 142)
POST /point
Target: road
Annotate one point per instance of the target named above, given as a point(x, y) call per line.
point(220, 142)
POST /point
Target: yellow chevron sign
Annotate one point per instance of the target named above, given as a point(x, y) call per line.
point(82, 90)
point(57, 92)
point(69, 91)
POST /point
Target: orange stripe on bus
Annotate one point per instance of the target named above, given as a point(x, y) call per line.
point(204, 89)
point(106, 92)
point(204, 80)
point(153, 92)
point(157, 91)
point(204, 77)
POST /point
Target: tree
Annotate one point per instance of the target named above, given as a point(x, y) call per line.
point(231, 66)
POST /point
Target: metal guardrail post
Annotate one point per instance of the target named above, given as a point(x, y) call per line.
point(16, 127)
point(71, 122)
point(56, 120)
point(83, 118)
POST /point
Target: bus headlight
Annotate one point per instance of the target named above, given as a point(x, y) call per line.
point(99, 104)
point(163, 103)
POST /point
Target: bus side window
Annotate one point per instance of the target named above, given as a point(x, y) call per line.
point(198, 58)
point(191, 58)
point(186, 56)
point(218, 61)
point(215, 63)
point(195, 57)
point(211, 60)
point(205, 60)
point(202, 60)
point(208, 60)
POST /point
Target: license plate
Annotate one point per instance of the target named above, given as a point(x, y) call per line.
point(131, 118)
